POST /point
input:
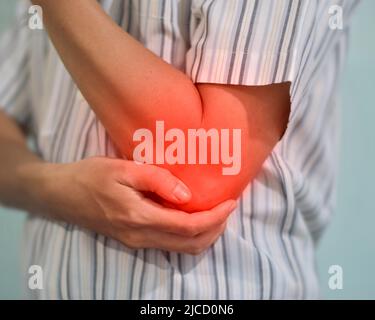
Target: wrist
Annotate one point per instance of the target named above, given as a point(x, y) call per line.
point(36, 186)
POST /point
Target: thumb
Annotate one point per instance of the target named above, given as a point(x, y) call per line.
point(144, 177)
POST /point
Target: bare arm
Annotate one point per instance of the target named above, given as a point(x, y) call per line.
point(19, 168)
point(129, 87)
point(103, 196)
point(115, 73)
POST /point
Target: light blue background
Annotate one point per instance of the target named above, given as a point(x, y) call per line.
point(350, 239)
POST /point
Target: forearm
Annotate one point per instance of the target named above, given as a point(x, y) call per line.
point(115, 72)
point(21, 171)
point(30, 184)
point(130, 88)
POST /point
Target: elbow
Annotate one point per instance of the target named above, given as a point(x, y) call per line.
point(209, 187)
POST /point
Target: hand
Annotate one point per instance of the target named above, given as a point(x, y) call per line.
point(105, 196)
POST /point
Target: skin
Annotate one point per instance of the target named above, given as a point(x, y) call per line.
point(154, 90)
point(128, 96)
point(104, 196)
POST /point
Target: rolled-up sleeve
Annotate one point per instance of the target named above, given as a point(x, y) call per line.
point(248, 42)
point(14, 67)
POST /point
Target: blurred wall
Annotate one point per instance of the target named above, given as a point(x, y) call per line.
point(11, 222)
point(350, 239)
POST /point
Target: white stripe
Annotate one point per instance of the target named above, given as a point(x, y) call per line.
point(269, 248)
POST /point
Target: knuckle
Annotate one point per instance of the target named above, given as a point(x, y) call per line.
point(127, 219)
point(132, 240)
point(160, 172)
point(113, 217)
point(157, 174)
point(190, 229)
point(132, 219)
point(152, 179)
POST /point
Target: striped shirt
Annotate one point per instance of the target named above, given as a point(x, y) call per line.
point(268, 248)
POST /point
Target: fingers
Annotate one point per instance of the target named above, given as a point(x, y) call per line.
point(181, 223)
point(194, 246)
point(147, 224)
point(149, 238)
point(151, 178)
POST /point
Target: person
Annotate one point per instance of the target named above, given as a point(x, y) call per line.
point(91, 228)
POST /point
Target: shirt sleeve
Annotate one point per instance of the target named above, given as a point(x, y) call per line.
point(248, 42)
point(14, 69)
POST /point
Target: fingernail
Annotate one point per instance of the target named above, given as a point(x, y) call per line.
point(181, 192)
